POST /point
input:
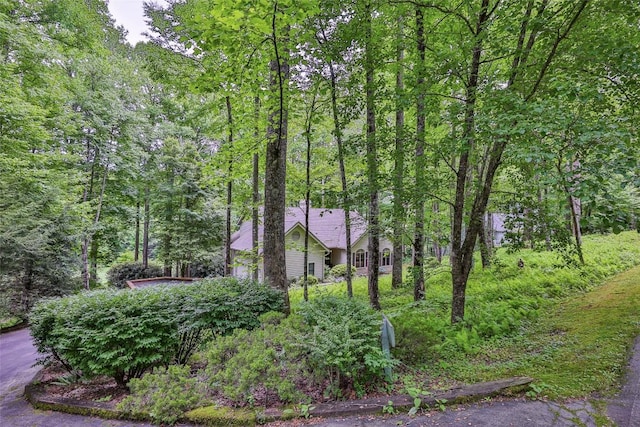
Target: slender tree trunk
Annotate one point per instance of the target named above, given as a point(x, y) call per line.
point(85, 262)
point(275, 172)
point(93, 262)
point(437, 249)
point(167, 238)
point(255, 207)
point(346, 203)
point(461, 257)
point(372, 163)
point(86, 196)
point(307, 197)
point(145, 228)
point(398, 187)
point(462, 248)
point(418, 238)
point(574, 211)
point(88, 240)
point(227, 237)
point(136, 250)
point(483, 240)
point(574, 204)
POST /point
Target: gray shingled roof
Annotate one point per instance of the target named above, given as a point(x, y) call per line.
point(327, 225)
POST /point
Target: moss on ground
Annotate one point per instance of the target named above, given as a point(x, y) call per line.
point(221, 416)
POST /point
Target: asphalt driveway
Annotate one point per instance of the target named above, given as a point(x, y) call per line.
point(17, 356)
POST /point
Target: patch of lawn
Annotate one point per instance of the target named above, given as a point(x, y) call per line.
point(580, 346)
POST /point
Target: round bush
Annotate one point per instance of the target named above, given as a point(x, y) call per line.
point(311, 280)
point(340, 270)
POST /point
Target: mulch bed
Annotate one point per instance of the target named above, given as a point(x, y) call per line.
point(98, 389)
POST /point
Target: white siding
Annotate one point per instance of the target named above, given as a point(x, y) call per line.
point(295, 254)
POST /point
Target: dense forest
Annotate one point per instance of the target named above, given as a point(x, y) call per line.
point(421, 115)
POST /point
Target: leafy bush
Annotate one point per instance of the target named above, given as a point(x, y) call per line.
point(340, 270)
point(343, 340)
point(311, 280)
point(123, 333)
point(165, 394)
point(120, 273)
point(258, 366)
point(332, 342)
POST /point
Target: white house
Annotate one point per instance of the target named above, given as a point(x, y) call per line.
point(327, 243)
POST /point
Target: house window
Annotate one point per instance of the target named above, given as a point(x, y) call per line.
point(385, 259)
point(295, 236)
point(312, 269)
point(359, 259)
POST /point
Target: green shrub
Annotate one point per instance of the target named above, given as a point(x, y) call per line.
point(165, 394)
point(123, 333)
point(311, 280)
point(332, 341)
point(258, 367)
point(343, 340)
point(120, 273)
point(340, 270)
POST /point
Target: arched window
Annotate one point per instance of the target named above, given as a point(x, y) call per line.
point(385, 259)
point(359, 259)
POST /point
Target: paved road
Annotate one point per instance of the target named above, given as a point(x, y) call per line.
point(625, 410)
point(17, 356)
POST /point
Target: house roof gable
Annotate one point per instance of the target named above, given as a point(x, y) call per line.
point(326, 225)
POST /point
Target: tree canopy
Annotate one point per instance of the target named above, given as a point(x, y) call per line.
point(423, 116)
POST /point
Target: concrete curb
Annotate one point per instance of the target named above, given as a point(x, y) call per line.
point(214, 416)
point(17, 327)
point(404, 402)
point(35, 394)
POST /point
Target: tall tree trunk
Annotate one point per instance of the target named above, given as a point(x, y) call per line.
point(307, 197)
point(275, 172)
point(372, 163)
point(255, 210)
point(136, 250)
point(87, 242)
point(145, 228)
point(542, 198)
point(227, 237)
point(418, 238)
point(462, 248)
point(167, 238)
point(87, 195)
point(93, 261)
point(346, 201)
point(574, 208)
point(461, 257)
point(437, 232)
point(483, 241)
point(398, 185)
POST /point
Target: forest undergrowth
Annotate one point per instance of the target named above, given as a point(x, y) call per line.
point(570, 328)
